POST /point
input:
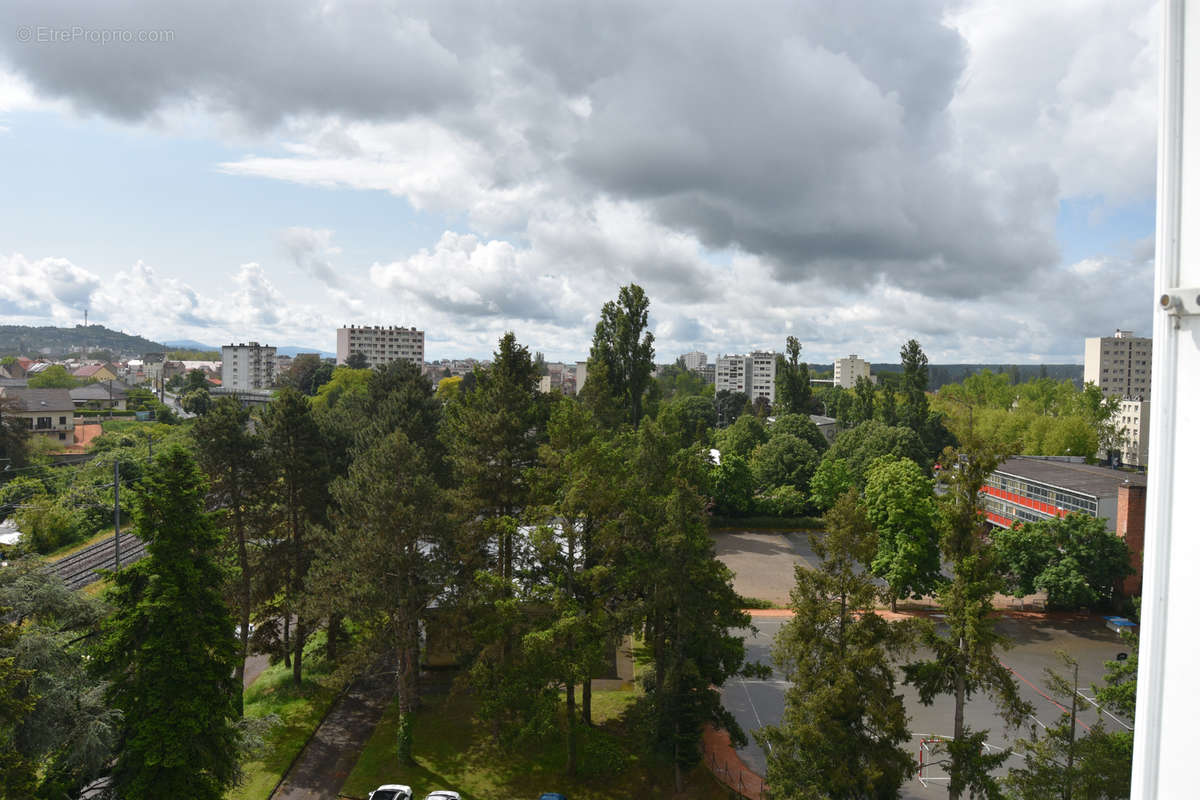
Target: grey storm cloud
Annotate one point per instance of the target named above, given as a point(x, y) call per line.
point(818, 136)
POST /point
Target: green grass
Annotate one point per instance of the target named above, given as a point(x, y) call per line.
point(453, 751)
point(71, 549)
point(769, 523)
point(757, 603)
point(299, 709)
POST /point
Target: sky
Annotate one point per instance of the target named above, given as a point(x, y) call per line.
point(977, 175)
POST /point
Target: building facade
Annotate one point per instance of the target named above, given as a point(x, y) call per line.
point(733, 374)
point(381, 345)
point(1132, 423)
point(694, 360)
point(49, 413)
point(847, 371)
point(1118, 364)
point(762, 383)
point(245, 367)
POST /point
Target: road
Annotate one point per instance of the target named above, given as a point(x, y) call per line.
point(764, 562)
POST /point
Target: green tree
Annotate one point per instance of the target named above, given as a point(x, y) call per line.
point(195, 380)
point(1061, 763)
point(383, 560)
point(885, 409)
point(783, 460)
point(230, 454)
point(54, 376)
point(864, 400)
point(740, 438)
point(868, 441)
point(730, 405)
point(172, 682)
point(299, 493)
point(913, 385)
point(675, 381)
point(1075, 560)
point(963, 657)
point(685, 605)
point(626, 349)
point(492, 434)
point(346, 382)
point(732, 485)
point(357, 361)
point(18, 772)
point(802, 427)
point(831, 480)
point(690, 419)
point(793, 392)
point(197, 401)
point(14, 435)
point(70, 733)
point(899, 502)
point(844, 730)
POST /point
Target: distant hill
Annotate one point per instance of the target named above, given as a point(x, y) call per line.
point(190, 344)
point(941, 374)
point(25, 340)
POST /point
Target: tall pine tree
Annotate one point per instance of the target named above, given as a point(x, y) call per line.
point(167, 649)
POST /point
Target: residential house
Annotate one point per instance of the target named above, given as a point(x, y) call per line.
point(95, 372)
point(109, 395)
point(47, 412)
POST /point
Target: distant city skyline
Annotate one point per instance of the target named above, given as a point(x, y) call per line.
point(796, 171)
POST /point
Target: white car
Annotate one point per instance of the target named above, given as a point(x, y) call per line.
point(391, 791)
point(442, 794)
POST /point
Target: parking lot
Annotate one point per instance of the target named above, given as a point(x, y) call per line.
point(764, 563)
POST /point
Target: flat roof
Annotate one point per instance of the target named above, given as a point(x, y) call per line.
point(1070, 475)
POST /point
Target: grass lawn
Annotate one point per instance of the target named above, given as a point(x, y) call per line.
point(299, 710)
point(455, 752)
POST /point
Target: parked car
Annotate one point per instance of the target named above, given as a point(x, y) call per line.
point(391, 791)
point(552, 796)
point(443, 794)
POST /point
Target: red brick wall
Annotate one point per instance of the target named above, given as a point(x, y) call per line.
point(1131, 526)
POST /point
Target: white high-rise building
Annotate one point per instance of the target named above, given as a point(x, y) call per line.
point(847, 371)
point(1118, 364)
point(247, 366)
point(762, 383)
point(381, 345)
point(694, 360)
point(1132, 422)
point(752, 375)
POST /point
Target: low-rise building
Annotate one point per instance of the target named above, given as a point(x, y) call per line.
point(828, 426)
point(95, 372)
point(1026, 489)
point(47, 412)
point(109, 395)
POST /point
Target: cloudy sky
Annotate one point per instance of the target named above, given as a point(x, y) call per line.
point(977, 175)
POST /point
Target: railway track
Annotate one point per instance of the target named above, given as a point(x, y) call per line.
point(79, 569)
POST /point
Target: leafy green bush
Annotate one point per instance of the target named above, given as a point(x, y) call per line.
point(50, 525)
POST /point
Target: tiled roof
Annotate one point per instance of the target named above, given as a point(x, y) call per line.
point(29, 400)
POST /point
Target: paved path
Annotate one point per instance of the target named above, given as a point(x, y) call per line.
point(764, 562)
point(329, 756)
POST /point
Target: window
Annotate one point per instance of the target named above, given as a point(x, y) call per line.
point(62, 437)
point(45, 423)
point(62, 420)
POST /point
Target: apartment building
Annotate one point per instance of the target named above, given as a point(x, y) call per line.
point(847, 371)
point(753, 375)
point(245, 367)
point(1132, 423)
point(694, 360)
point(1118, 364)
point(380, 344)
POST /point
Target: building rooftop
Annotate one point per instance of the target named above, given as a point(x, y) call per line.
point(39, 399)
point(1071, 475)
point(100, 391)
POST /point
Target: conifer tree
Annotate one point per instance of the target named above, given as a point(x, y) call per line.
point(964, 659)
point(230, 455)
point(167, 649)
point(844, 730)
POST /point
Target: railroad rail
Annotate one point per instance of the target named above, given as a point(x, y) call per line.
point(80, 569)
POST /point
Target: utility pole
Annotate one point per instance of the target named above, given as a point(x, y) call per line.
point(117, 513)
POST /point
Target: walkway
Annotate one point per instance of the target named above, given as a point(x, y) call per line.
point(329, 756)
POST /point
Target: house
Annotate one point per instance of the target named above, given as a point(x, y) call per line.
point(828, 426)
point(47, 412)
point(106, 395)
point(95, 372)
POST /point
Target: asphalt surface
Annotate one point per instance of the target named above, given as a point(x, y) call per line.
point(766, 561)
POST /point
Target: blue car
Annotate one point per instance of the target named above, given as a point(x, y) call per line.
point(552, 796)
